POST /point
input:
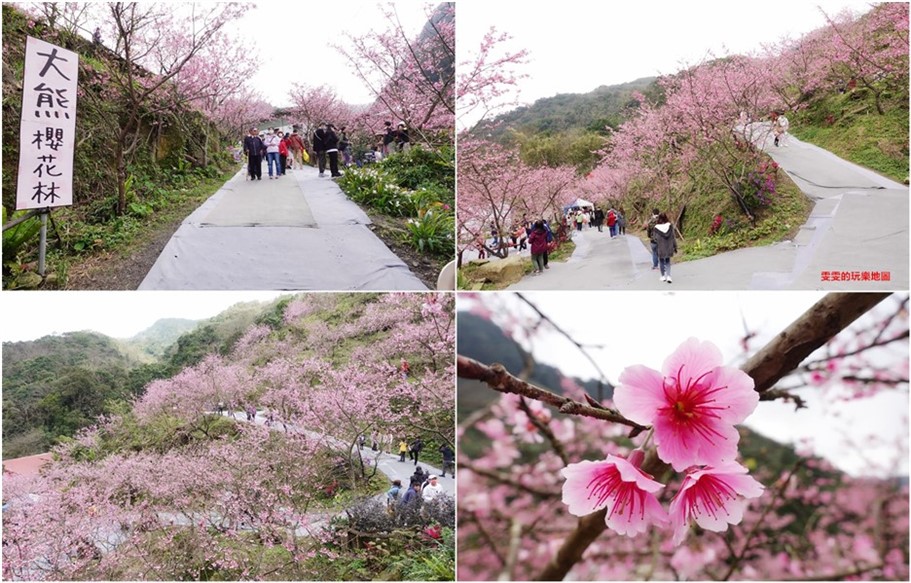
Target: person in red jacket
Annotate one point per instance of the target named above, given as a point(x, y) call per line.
point(283, 153)
point(537, 239)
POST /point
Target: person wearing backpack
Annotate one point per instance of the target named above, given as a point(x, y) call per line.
point(551, 245)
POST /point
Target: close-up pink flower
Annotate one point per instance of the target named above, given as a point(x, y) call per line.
point(624, 490)
point(693, 404)
point(713, 498)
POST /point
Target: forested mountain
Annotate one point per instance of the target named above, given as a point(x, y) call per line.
point(153, 341)
point(606, 106)
point(58, 384)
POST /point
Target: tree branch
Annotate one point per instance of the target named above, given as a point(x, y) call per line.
point(819, 324)
point(499, 379)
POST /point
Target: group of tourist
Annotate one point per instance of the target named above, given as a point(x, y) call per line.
point(280, 151)
point(595, 217)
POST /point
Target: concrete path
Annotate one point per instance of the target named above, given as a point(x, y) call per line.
point(856, 239)
point(387, 463)
point(297, 232)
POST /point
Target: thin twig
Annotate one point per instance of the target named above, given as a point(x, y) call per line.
point(499, 379)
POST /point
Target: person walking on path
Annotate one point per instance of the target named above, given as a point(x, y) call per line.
point(448, 459)
point(296, 145)
point(254, 149)
point(579, 219)
point(416, 446)
point(667, 245)
point(319, 147)
point(282, 151)
point(403, 449)
point(537, 239)
point(272, 141)
point(621, 222)
point(330, 141)
point(612, 222)
point(650, 232)
point(344, 146)
point(599, 220)
point(551, 245)
point(780, 125)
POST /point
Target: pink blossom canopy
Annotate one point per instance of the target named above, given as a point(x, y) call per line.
point(693, 405)
point(624, 490)
point(714, 498)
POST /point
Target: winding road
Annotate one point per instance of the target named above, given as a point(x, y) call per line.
point(855, 239)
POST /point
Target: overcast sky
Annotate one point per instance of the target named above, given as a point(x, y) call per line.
point(644, 328)
point(295, 39)
point(578, 46)
point(31, 315)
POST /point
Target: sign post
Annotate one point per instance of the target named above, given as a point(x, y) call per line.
point(47, 132)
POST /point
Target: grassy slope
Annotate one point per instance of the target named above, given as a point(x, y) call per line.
point(848, 125)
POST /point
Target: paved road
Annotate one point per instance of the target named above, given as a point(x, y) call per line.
point(859, 225)
point(387, 463)
point(298, 232)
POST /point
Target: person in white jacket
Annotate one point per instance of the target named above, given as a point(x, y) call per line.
point(271, 141)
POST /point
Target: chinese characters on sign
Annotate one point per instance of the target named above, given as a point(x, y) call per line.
point(47, 132)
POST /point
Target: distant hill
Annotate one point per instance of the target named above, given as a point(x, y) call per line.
point(58, 384)
point(485, 342)
point(607, 105)
point(151, 343)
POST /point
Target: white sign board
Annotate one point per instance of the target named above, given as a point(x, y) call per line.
point(47, 134)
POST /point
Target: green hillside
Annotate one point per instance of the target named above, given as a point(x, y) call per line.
point(485, 342)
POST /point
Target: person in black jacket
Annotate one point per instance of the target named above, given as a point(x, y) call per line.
point(402, 141)
point(319, 146)
point(254, 149)
point(388, 139)
point(448, 459)
point(330, 141)
point(666, 245)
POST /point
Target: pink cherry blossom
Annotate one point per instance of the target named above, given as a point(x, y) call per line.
point(627, 492)
point(713, 498)
point(693, 404)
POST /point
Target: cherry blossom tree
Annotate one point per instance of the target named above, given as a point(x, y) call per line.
point(155, 44)
point(170, 489)
point(497, 189)
point(316, 105)
point(564, 485)
point(413, 79)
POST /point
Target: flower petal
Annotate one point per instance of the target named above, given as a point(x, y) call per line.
point(640, 394)
point(738, 399)
point(691, 360)
point(577, 494)
point(708, 442)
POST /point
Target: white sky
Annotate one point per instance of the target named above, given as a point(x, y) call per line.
point(295, 41)
point(578, 46)
point(31, 315)
point(644, 328)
